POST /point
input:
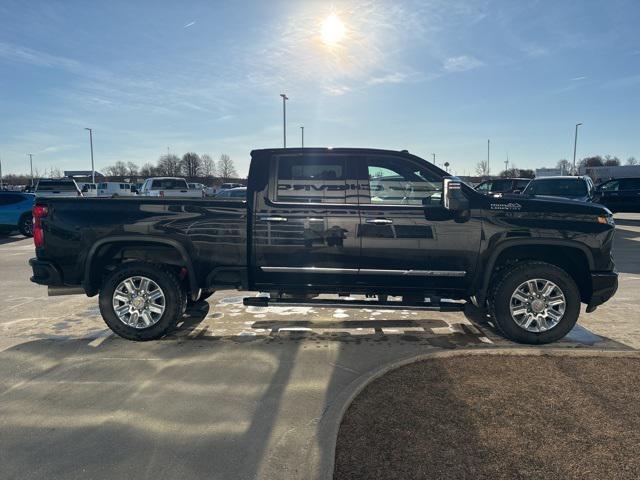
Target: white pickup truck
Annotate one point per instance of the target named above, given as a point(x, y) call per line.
point(168, 187)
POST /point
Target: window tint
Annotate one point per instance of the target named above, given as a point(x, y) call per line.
point(558, 187)
point(400, 181)
point(521, 184)
point(485, 187)
point(311, 178)
point(631, 184)
point(169, 184)
point(501, 185)
point(58, 186)
point(238, 193)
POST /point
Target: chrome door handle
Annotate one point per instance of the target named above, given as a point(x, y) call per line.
point(379, 221)
point(273, 219)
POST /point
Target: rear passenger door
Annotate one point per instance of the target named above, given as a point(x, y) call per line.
point(306, 222)
point(409, 240)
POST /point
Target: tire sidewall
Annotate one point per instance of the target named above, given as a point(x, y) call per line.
point(22, 225)
point(512, 279)
point(172, 294)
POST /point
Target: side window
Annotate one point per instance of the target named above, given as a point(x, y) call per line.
point(311, 178)
point(521, 184)
point(484, 187)
point(399, 181)
point(612, 186)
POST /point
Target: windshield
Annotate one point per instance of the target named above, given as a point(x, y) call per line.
point(169, 184)
point(57, 186)
point(569, 187)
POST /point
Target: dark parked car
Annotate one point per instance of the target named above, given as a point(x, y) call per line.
point(503, 185)
point(15, 212)
point(620, 194)
point(333, 221)
point(572, 188)
point(237, 193)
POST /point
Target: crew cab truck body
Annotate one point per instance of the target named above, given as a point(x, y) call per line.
point(332, 221)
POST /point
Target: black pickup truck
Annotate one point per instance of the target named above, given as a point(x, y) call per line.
point(377, 223)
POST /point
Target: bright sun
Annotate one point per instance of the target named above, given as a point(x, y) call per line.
point(332, 31)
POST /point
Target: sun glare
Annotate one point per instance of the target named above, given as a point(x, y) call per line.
point(332, 31)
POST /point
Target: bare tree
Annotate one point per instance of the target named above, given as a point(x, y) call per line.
point(190, 164)
point(595, 161)
point(208, 165)
point(226, 168)
point(564, 165)
point(168, 165)
point(482, 168)
point(512, 172)
point(132, 169)
point(631, 161)
point(610, 161)
point(148, 170)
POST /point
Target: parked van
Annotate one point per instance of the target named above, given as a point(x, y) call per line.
point(115, 189)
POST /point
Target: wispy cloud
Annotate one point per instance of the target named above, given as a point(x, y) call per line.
point(577, 79)
point(461, 63)
point(21, 54)
point(397, 77)
point(190, 24)
point(336, 90)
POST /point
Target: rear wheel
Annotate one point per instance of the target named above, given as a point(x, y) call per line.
point(535, 303)
point(141, 301)
point(26, 225)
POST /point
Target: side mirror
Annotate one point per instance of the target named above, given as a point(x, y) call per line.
point(454, 199)
point(85, 189)
point(134, 190)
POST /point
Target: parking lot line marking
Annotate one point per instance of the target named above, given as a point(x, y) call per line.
point(199, 330)
point(485, 340)
point(102, 336)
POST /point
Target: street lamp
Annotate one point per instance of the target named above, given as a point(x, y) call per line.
point(575, 144)
point(93, 170)
point(302, 133)
point(31, 164)
point(434, 159)
point(284, 118)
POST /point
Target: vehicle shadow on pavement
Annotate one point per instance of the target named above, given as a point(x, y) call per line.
point(627, 246)
point(4, 239)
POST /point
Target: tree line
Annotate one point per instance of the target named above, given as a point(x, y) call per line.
point(191, 165)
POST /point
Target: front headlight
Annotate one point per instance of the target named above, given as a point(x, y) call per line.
point(606, 220)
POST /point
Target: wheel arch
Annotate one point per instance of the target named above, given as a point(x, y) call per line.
point(107, 248)
point(573, 257)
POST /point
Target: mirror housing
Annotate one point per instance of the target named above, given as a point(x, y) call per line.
point(454, 199)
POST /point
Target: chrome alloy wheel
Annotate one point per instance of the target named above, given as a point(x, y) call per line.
point(138, 302)
point(537, 305)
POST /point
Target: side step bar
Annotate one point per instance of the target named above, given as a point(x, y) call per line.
point(442, 306)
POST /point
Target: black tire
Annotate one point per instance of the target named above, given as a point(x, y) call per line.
point(165, 279)
point(25, 225)
point(509, 280)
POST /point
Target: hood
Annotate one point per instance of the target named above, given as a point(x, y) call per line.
point(584, 198)
point(550, 204)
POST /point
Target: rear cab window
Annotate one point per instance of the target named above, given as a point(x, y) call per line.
point(169, 184)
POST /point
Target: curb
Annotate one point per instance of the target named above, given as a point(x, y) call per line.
point(330, 422)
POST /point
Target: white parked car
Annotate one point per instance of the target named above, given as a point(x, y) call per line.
point(115, 189)
point(61, 187)
point(168, 187)
point(88, 189)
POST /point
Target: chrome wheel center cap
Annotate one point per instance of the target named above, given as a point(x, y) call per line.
point(537, 305)
point(138, 303)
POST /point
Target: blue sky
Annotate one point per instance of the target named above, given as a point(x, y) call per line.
point(437, 76)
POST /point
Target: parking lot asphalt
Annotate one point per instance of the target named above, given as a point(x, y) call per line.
point(235, 392)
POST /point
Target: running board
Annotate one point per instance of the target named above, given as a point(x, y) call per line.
point(442, 306)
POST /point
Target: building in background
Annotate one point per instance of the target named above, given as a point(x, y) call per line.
point(548, 172)
point(600, 174)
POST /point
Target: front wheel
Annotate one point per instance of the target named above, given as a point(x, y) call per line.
point(141, 301)
point(535, 303)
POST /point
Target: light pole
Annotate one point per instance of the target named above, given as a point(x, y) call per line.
point(434, 159)
point(31, 164)
point(93, 170)
point(488, 156)
point(1, 186)
point(575, 144)
point(302, 133)
point(284, 118)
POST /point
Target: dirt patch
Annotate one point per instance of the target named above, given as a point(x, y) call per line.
point(498, 417)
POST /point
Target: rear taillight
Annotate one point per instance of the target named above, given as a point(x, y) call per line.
point(39, 212)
